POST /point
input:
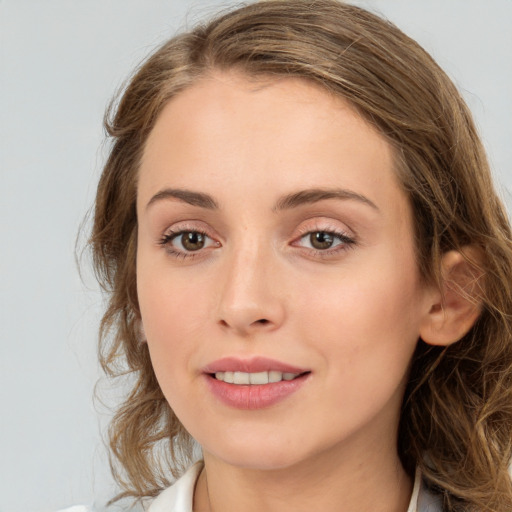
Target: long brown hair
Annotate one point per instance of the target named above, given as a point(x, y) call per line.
point(456, 419)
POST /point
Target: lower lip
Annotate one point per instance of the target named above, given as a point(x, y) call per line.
point(254, 396)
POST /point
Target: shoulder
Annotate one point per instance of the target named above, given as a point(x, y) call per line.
point(137, 507)
point(77, 508)
point(176, 498)
point(179, 497)
point(427, 500)
point(423, 499)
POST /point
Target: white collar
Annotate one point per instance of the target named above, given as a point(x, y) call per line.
point(413, 504)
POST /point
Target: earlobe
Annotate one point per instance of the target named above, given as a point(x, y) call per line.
point(456, 307)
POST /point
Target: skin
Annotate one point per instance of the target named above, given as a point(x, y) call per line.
point(351, 314)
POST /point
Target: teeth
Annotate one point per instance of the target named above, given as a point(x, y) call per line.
point(241, 378)
point(257, 379)
point(275, 376)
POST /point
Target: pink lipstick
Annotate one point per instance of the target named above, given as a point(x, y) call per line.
point(253, 383)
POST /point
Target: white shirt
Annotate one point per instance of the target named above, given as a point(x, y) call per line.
point(179, 496)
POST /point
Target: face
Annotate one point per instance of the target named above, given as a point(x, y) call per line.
point(276, 272)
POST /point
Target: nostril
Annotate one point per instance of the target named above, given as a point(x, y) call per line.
point(244, 323)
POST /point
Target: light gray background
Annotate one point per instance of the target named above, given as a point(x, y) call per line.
point(60, 62)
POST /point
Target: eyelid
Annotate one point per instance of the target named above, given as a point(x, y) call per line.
point(324, 225)
point(189, 225)
point(176, 230)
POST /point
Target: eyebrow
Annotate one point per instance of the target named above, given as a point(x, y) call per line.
point(187, 196)
point(320, 194)
point(287, 202)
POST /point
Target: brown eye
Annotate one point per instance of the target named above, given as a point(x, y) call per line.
point(321, 240)
point(328, 242)
point(192, 240)
point(188, 243)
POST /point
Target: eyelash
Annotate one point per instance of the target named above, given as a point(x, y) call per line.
point(345, 242)
point(169, 236)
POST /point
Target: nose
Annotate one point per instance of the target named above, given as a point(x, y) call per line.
point(251, 296)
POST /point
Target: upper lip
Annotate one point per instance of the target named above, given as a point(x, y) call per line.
point(252, 365)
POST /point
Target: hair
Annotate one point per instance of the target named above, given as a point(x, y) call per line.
point(456, 418)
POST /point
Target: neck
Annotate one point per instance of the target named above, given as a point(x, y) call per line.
point(340, 480)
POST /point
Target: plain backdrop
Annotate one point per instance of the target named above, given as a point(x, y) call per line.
point(61, 61)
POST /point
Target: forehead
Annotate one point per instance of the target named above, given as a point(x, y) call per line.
point(228, 130)
point(261, 104)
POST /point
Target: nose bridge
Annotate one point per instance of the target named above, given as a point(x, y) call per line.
point(249, 298)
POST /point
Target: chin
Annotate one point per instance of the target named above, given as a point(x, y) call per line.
point(263, 456)
point(260, 461)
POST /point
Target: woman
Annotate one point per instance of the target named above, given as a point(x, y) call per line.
point(308, 271)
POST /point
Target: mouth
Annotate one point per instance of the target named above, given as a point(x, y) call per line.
point(255, 378)
point(254, 371)
point(255, 383)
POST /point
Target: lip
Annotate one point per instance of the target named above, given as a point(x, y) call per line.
point(253, 365)
point(251, 397)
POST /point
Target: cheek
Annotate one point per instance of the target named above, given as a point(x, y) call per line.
point(365, 341)
point(369, 321)
point(172, 314)
point(170, 302)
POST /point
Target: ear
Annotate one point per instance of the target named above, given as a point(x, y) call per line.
point(455, 308)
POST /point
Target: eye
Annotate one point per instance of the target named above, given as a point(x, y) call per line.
point(184, 242)
point(324, 240)
point(321, 240)
point(190, 240)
